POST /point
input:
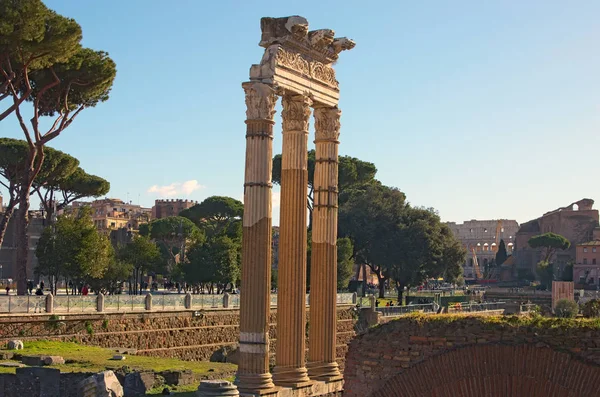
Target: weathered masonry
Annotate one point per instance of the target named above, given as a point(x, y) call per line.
point(448, 356)
point(296, 66)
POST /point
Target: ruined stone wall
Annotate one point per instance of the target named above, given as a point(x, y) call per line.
point(384, 353)
point(189, 335)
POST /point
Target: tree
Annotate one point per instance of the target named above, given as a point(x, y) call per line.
point(344, 262)
point(141, 254)
point(567, 273)
point(414, 251)
point(501, 255)
point(566, 308)
point(173, 233)
point(549, 243)
point(453, 256)
point(32, 37)
point(545, 271)
point(214, 261)
point(13, 154)
point(369, 216)
point(216, 215)
point(351, 170)
point(42, 62)
point(73, 249)
point(112, 279)
point(57, 193)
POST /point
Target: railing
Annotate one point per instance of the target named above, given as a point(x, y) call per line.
point(476, 307)
point(389, 311)
point(131, 303)
point(23, 304)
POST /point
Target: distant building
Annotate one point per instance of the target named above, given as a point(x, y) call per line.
point(118, 219)
point(483, 237)
point(576, 222)
point(586, 270)
point(171, 207)
point(113, 214)
point(8, 251)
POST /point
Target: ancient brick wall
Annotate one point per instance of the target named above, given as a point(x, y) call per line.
point(187, 335)
point(470, 356)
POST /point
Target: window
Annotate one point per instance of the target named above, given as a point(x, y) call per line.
point(471, 230)
point(585, 261)
point(485, 230)
point(591, 280)
point(594, 249)
point(593, 261)
point(584, 249)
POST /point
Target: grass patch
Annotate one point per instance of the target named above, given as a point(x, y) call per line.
point(533, 321)
point(82, 358)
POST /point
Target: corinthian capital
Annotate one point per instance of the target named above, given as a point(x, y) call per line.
point(260, 101)
point(296, 112)
point(327, 123)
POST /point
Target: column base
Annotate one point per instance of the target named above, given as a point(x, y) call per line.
point(325, 372)
point(257, 384)
point(291, 377)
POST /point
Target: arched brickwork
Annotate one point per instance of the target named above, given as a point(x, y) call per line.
point(496, 371)
point(468, 356)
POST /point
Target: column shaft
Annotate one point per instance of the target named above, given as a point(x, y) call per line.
point(253, 371)
point(322, 363)
point(290, 369)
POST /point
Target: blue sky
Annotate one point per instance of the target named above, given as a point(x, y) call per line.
point(480, 109)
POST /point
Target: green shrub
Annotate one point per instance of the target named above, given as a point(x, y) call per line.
point(89, 328)
point(566, 308)
point(105, 324)
point(591, 309)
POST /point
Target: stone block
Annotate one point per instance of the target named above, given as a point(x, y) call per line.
point(138, 383)
point(11, 364)
point(33, 361)
point(6, 355)
point(103, 384)
point(119, 357)
point(39, 382)
point(178, 378)
point(216, 388)
point(15, 344)
point(53, 360)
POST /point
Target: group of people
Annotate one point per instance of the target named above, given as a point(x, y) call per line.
point(39, 288)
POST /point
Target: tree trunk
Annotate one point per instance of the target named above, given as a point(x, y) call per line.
point(364, 283)
point(400, 288)
point(22, 239)
point(381, 286)
point(6, 215)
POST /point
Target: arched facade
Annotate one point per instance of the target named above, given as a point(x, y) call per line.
point(472, 356)
point(495, 371)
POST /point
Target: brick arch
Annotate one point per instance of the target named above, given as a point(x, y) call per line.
point(495, 371)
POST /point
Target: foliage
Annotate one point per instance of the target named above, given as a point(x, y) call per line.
point(216, 215)
point(140, 255)
point(215, 260)
point(351, 172)
point(42, 62)
point(566, 308)
point(111, 281)
point(173, 233)
point(525, 274)
point(369, 214)
point(344, 262)
point(591, 308)
point(501, 255)
point(73, 249)
point(545, 272)
point(567, 273)
point(550, 243)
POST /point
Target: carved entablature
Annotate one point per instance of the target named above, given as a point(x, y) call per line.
point(299, 60)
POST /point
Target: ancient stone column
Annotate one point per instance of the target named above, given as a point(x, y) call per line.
point(253, 371)
point(290, 369)
point(322, 363)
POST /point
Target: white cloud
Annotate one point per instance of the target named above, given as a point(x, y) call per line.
point(176, 189)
